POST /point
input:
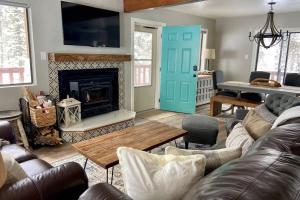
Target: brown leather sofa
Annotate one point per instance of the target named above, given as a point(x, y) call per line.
point(44, 182)
point(269, 171)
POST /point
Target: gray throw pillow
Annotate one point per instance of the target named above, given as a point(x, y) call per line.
point(214, 158)
point(265, 113)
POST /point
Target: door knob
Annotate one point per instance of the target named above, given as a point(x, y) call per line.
point(194, 75)
point(195, 68)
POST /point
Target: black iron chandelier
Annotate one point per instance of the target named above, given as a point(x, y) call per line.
point(269, 35)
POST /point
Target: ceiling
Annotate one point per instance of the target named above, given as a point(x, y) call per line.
point(235, 8)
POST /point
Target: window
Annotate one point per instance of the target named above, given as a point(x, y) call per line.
point(280, 59)
point(203, 47)
point(15, 62)
point(143, 42)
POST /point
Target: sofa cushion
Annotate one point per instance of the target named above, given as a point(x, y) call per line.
point(35, 166)
point(103, 191)
point(268, 174)
point(148, 176)
point(18, 153)
point(256, 125)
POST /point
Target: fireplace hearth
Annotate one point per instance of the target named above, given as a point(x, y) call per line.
point(96, 89)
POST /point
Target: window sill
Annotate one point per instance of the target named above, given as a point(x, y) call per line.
point(142, 86)
point(18, 86)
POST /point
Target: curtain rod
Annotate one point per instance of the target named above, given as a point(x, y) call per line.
point(13, 3)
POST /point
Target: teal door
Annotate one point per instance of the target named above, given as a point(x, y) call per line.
point(180, 58)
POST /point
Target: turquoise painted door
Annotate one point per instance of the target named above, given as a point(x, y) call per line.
point(180, 53)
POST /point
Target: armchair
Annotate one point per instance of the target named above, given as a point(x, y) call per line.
point(67, 181)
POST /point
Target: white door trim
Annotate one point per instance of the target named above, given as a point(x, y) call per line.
point(159, 26)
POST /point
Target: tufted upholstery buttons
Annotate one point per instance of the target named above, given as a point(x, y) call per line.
point(278, 103)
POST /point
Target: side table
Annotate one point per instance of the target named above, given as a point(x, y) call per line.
point(14, 115)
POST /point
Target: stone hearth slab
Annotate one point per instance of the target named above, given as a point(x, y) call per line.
point(98, 125)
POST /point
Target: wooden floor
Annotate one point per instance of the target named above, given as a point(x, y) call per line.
point(52, 154)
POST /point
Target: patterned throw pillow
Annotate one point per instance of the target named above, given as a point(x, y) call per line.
point(239, 137)
point(148, 176)
point(256, 125)
point(214, 158)
point(264, 112)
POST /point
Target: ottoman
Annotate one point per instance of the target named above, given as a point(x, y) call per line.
point(201, 129)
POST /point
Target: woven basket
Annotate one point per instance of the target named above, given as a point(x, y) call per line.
point(43, 117)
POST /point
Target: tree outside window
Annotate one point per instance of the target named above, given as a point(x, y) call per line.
point(280, 59)
point(15, 65)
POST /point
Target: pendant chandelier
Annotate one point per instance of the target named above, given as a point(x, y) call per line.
point(269, 35)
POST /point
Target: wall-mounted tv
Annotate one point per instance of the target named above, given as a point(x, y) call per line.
point(88, 26)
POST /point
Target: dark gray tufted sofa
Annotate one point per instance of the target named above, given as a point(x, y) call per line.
point(276, 104)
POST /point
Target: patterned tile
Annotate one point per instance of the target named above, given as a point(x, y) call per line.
point(73, 137)
point(54, 67)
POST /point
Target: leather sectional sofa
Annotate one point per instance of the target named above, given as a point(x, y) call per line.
point(269, 171)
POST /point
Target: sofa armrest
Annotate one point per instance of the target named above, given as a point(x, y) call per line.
point(6, 132)
point(67, 181)
point(103, 191)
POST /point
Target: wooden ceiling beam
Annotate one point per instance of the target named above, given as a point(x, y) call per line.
point(135, 5)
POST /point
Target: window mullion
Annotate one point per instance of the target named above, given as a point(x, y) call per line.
point(287, 56)
point(279, 63)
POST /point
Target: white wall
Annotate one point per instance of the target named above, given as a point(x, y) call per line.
point(232, 42)
point(47, 34)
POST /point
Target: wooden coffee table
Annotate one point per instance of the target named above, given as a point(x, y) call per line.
point(102, 149)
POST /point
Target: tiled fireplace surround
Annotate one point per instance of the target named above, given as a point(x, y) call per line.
point(76, 136)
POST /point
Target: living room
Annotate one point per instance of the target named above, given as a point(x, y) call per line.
point(121, 99)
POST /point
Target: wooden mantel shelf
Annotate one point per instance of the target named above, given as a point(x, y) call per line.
point(66, 57)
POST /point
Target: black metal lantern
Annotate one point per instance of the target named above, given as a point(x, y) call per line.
point(269, 32)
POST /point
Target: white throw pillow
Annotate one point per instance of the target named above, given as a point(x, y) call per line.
point(167, 177)
point(3, 172)
point(214, 158)
point(239, 137)
point(14, 170)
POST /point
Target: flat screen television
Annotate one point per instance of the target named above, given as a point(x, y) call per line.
point(88, 26)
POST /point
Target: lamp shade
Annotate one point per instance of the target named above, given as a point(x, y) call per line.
point(210, 54)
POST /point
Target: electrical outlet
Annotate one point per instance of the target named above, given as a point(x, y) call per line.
point(43, 55)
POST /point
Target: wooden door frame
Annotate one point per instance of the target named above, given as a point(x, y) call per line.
point(159, 26)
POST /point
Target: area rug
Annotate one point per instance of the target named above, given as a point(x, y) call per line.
point(95, 173)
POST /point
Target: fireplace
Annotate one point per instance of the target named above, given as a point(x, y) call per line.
point(96, 89)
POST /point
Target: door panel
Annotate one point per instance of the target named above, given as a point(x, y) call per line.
point(180, 52)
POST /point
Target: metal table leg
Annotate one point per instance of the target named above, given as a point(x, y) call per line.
point(86, 160)
point(112, 175)
point(106, 175)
